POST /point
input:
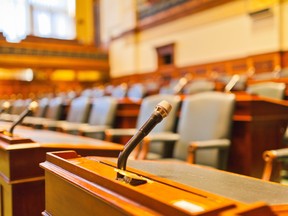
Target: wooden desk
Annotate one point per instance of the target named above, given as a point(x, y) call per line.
point(259, 125)
point(21, 178)
point(127, 112)
point(87, 186)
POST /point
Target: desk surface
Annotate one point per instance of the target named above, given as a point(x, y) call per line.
point(53, 139)
point(21, 178)
point(233, 186)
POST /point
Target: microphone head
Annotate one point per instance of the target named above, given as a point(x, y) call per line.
point(6, 105)
point(33, 106)
point(163, 108)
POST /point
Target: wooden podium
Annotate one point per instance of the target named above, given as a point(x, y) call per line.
point(22, 191)
point(88, 186)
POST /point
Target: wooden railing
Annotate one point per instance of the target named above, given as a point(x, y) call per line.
point(165, 11)
point(57, 53)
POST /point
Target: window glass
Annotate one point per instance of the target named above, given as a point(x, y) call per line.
point(53, 18)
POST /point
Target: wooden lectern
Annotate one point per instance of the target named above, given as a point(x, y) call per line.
point(88, 186)
point(22, 191)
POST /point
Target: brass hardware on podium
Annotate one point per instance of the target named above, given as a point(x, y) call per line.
point(8, 136)
point(131, 178)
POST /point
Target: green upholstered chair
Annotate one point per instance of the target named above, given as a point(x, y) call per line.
point(78, 112)
point(165, 127)
point(102, 116)
point(136, 92)
point(197, 86)
point(204, 129)
point(268, 89)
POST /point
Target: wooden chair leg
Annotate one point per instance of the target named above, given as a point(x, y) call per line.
point(108, 137)
point(145, 149)
point(191, 153)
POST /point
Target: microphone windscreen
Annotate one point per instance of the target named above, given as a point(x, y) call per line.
point(163, 108)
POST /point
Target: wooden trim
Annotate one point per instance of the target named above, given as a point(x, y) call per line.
point(266, 62)
point(181, 10)
point(168, 15)
point(284, 59)
point(60, 54)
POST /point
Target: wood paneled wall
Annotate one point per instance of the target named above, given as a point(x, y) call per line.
point(262, 63)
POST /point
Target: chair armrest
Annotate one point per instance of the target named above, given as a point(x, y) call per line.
point(217, 143)
point(281, 153)
point(86, 128)
point(52, 123)
point(165, 137)
point(117, 132)
point(70, 126)
point(269, 156)
point(207, 144)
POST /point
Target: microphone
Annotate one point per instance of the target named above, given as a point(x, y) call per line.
point(5, 106)
point(161, 111)
point(31, 108)
point(180, 85)
point(232, 82)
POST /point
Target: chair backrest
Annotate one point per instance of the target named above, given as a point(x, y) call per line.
point(148, 105)
point(98, 92)
point(55, 108)
point(136, 92)
point(18, 106)
point(168, 124)
point(42, 107)
point(268, 89)
point(120, 91)
point(204, 116)
point(103, 111)
point(79, 110)
point(266, 75)
point(169, 89)
point(199, 86)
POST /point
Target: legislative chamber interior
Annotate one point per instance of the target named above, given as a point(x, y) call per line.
point(143, 107)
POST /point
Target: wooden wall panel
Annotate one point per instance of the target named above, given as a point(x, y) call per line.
point(257, 64)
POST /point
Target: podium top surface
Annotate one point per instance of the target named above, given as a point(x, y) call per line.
point(233, 186)
point(168, 184)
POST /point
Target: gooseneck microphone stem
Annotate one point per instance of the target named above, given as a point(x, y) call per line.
point(19, 120)
point(137, 138)
point(31, 108)
point(160, 112)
